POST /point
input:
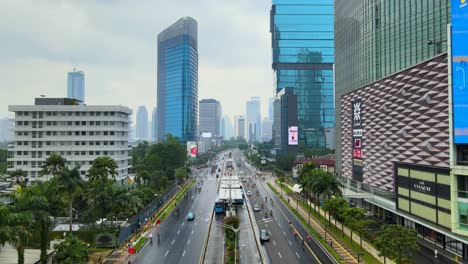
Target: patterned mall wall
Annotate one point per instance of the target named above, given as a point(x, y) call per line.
point(405, 119)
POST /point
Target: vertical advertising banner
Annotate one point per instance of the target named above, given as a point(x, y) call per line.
point(460, 70)
point(192, 149)
point(357, 139)
point(292, 135)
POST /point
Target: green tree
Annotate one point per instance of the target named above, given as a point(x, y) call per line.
point(324, 183)
point(69, 182)
point(103, 168)
point(355, 219)
point(15, 230)
point(71, 251)
point(20, 177)
point(281, 180)
point(36, 200)
point(396, 242)
point(180, 174)
point(334, 207)
point(285, 162)
point(54, 164)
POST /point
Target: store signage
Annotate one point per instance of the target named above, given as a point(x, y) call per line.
point(459, 60)
point(357, 153)
point(357, 132)
point(422, 186)
point(357, 125)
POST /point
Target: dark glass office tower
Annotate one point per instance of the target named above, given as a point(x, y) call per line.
point(303, 57)
point(178, 80)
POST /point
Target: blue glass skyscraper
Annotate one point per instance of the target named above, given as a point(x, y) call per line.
point(75, 85)
point(177, 100)
point(303, 59)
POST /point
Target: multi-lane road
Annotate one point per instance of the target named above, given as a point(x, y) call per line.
point(182, 241)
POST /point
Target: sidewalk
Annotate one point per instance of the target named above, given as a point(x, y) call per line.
point(121, 255)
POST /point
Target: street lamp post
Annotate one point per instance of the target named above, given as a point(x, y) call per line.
point(237, 230)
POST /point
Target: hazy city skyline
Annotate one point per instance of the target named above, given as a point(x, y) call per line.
point(119, 58)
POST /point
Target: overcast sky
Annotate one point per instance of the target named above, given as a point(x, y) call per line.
point(114, 43)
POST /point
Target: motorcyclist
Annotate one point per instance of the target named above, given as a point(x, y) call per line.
point(151, 238)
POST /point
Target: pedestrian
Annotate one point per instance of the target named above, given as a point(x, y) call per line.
point(302, 244)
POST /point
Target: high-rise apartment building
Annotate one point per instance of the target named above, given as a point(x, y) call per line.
point(303, 59)
point(399, 94)
point(154, 124)
point(254, 119)
point(178, 80)
point(210, 117)
point(76, 85)
point(240, 128)
point(142, 123)
point(77, 132)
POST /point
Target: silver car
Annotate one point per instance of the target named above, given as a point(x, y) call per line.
point(256, 208)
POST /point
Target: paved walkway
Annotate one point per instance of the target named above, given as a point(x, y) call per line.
point(347, 254)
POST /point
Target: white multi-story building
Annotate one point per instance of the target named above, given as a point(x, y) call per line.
point(80, 133)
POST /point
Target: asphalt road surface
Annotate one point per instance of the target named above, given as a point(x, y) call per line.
point(181, 241)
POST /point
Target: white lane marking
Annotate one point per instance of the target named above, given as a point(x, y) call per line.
point(173, 241)
point(284, 233)
point(192, 231)
point(280, 255)
point(274, 242)
point(196, 223)
point(178, 232)
point(183, 254)
point(183, 223)
point(188, 242)
point(266, 225)
point(167, 252)
point(290, 242)
point(297, 255)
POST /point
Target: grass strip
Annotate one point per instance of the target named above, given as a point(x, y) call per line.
point(140, 243)
point(272, 188)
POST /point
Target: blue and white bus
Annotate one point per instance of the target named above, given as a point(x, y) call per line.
point(219, 206)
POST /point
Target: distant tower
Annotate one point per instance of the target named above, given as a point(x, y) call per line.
point(75, 85)
point(142, 123)
point(154, 124)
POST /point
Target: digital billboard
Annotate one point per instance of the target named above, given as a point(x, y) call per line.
point(192, 150)
point(357, 126)
point(460, 70)
point(292, 135)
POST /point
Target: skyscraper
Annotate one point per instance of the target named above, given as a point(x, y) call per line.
point(227, 128)
point(75, 85)
point(142, 123)
point(254, 119)
point(239, 126)
point(270, 108)
point(154, 124)
point(210, 117)
point(303, 57)
point(178, 80)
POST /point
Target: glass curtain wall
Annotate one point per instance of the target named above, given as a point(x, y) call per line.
point(303, 57)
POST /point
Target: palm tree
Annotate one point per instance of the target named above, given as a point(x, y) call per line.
point(20, 176)
point(324, 183)
point(69, 181)
point(14, 229)
point(103, 168)
point(54, 164)
point(36, 200)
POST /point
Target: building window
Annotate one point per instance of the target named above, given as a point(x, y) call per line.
point(462, 186)
point(454, 246)
point(462, 155)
